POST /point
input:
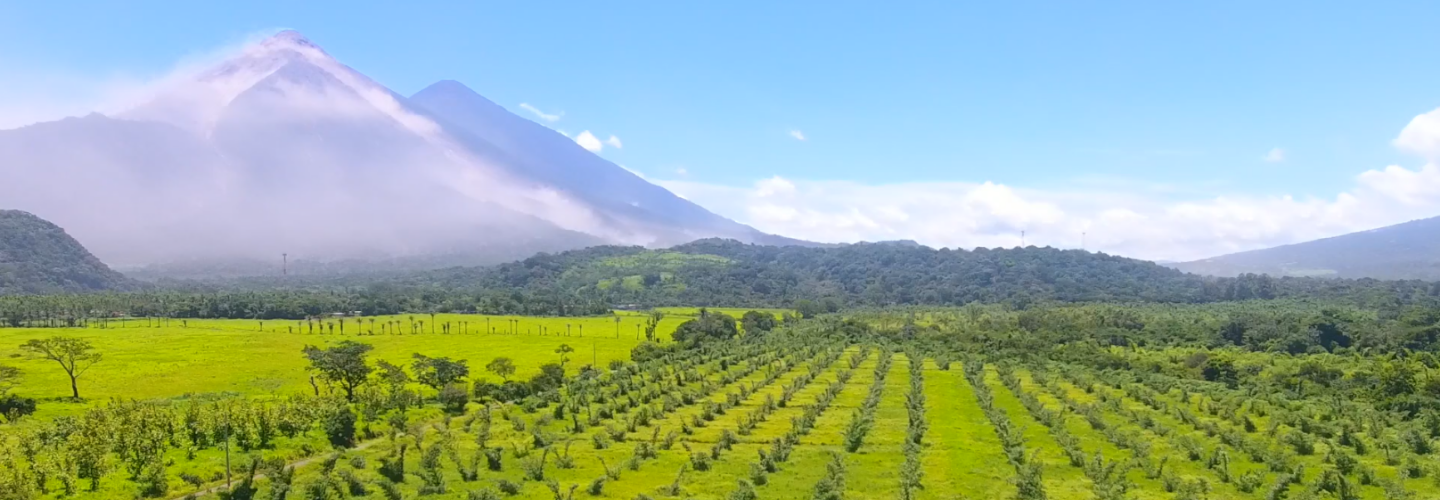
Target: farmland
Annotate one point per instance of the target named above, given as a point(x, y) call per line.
point(163, 359)
point(936, 404)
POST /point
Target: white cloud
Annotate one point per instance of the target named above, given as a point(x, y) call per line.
point(552, 118)
point(588, 141)
point(614, 142)
point(798, 135)
point(1125, 218)
point(1276, 155)
point(967, 215)
point(30, 93)
point(681, 171)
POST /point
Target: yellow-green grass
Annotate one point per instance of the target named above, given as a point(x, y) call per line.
point(1093, 442)
point(1163, 446)
point(1425, 487)
point(145, 359)
point(797, 476)
point(873, 471)
point(962, 453)
point(236, 356)
point(1059, 478)
point(735, 464)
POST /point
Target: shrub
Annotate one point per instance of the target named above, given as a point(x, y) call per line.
point(340, 427)
point(508, 487)
point(454, 397)
point(14, 407)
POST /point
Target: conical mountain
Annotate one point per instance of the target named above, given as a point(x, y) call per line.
point(283, 149)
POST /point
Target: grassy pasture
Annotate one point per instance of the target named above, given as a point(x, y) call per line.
point(263, 358)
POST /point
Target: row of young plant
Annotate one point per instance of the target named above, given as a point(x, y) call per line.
point(533, 466)
point(68, 451)
point(863, 418)
point(769, 462)
point(910, 471)
point(71, 453)
point(1029, 471)
point(673, 382)
point(1139, 443)
point(701, 461)
point(707, 413)
point(1327, 415)
point(1284, 451)
point(1108, 477)
point(1237, 433)
point(1151, 419)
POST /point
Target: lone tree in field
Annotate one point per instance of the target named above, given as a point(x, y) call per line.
point(9, 378)
point(564, 351)
point(439, 372)
point(343, 364)
point(74, 355)
point(501, 366)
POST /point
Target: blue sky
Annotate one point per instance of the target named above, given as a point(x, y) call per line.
point(1247, 123)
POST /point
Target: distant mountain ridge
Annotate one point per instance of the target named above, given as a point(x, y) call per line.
point(38, 257)
point(1409, 250)
point(283, 149)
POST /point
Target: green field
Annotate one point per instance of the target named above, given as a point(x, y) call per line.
point(813, 406)
point(263, 358)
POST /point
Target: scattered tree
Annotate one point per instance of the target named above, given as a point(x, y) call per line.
point(343, 364)
point(74, 355)
point(501, 366)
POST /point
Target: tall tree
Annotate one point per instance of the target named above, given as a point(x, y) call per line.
point(343, 364)
point(74, 355)
point(501, 366)
point(564, 351)
point(9, 378)
point(439, 372)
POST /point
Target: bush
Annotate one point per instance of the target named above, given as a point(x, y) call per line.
point(340, 427)
point(454, 397)
point(14, 407)
point(153, 482)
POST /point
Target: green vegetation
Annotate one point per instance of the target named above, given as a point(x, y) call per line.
point(38, 257)
point(1068, 376)
point(1217, 401)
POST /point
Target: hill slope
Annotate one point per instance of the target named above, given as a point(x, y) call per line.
point(726, 272)
point(38, 257)
point(1403, 251)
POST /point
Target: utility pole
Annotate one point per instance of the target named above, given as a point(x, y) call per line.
point(1022, 238)
point(1082, 240)
point(284, 264)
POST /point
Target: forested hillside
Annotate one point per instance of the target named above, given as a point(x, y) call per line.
point(724, 272)
point(38, 257)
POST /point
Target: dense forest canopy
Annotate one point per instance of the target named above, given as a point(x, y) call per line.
point(725, 273)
